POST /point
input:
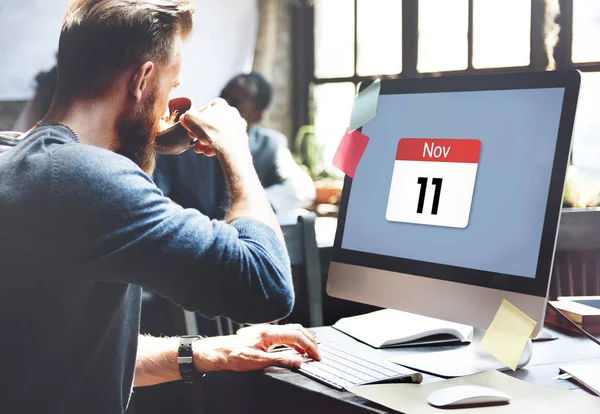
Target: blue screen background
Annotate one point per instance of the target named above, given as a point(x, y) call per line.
point(518, 132)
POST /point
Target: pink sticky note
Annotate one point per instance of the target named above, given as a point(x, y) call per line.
point(350, 152)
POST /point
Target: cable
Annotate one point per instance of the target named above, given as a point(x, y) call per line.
point(577, 327)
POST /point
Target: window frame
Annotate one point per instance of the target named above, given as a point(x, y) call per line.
point(410, 35)
point(538, 59)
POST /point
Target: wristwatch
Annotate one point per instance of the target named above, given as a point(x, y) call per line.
point(185, 359)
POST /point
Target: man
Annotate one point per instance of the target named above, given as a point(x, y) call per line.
point(287, 186)
point(84, 227)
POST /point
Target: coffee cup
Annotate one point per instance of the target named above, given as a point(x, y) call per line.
point(175, 139)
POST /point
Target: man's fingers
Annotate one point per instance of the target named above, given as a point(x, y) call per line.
point(307, 339)
point(309, 345)
point(207, 151)
point(293, 335)
point(295, 339)
point(193, 122)
point(205, 122)
point(203, 146)
point(298, 349)
point(311, 335)
point(218, 101)
point(210, 152)
point(252, 359)
point(282, 359)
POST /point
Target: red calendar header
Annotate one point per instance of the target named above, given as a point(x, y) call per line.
point(439, 150)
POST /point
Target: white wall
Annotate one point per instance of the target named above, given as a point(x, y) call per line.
point(28, 44)
point(221, 46)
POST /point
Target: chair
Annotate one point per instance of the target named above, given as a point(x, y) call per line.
point(301, 243)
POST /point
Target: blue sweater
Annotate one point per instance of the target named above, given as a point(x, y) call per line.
point(82, 229)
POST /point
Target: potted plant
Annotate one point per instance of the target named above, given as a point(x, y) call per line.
point(310, 153)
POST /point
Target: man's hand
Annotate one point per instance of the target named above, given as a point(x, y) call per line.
point(219, 128)
point(249, 349)
point(221, 131)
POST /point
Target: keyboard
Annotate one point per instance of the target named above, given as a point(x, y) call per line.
point(340, 368)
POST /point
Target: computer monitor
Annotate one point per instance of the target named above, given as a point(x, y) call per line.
point(456, 201)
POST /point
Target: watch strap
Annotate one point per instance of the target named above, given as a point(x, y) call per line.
point(185, 359)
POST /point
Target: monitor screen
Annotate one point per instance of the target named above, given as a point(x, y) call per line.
point(457, 178)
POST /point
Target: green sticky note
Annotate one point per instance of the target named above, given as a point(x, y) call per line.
point(508, 333)
point(365, 105)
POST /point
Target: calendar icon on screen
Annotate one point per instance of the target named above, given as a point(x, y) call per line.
point(433, 181)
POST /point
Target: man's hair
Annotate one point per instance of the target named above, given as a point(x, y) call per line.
point(264, 90)
point(101, 38)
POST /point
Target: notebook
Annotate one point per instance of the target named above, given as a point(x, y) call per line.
point(593, 301)
point(392, 328)
point(586, 374)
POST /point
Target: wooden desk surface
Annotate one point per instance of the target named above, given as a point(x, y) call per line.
point(279, 390)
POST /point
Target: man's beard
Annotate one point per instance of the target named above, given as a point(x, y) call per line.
point(137, 135)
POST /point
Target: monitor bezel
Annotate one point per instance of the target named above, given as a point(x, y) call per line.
point(538, 286)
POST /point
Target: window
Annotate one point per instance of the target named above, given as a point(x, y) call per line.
point(364, 39)
point(333, 104)
point(372, 29)
point(586, 31)
point(585, 56)
point(443, 35)
point(501, 33)
point(334, 38)
point(379, 42)
point(586, 145)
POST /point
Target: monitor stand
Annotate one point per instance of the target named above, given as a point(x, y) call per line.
point(458, 362)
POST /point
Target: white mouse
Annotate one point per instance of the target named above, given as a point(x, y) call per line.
point(466, 395)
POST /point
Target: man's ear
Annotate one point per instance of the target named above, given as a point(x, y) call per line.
point(139, 80)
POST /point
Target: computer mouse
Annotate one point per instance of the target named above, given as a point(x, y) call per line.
point(467, 395)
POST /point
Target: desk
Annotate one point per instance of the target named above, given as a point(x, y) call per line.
point(279, 390)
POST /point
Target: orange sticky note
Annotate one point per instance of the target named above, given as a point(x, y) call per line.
point(350, 152)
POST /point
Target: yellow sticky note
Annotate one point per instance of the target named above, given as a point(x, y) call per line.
point(508, 333)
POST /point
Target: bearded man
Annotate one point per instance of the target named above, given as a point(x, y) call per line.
point(84, 228)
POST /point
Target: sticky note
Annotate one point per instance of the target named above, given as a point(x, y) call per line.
point(350, 152)
point(508, 333)
point(365, 105)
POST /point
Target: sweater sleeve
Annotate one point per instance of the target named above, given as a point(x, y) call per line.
point(120, 228)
